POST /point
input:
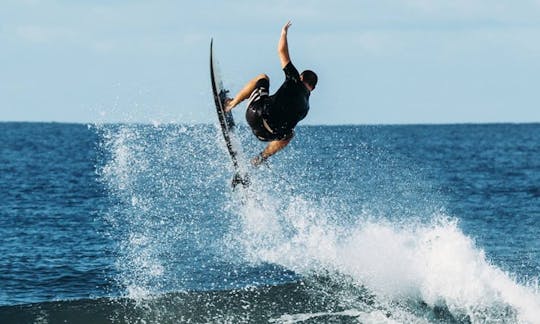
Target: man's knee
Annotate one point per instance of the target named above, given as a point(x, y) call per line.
point(262, 81)
point(263, 76)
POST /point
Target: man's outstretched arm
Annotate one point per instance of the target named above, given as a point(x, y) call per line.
point(283, 46)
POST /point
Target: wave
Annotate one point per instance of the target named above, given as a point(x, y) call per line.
point(317, 299)
point(434, 264)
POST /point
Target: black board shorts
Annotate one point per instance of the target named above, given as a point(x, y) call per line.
point(259, 105)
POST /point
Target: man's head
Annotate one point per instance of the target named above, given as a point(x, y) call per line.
point(309, 78)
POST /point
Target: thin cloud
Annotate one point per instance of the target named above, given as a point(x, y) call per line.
point(41, 34)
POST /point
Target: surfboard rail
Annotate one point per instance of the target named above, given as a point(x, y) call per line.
point(226, 120)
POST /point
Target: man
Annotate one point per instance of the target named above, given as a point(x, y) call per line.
point(273, 118)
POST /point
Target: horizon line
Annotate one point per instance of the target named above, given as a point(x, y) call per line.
point(245, 124)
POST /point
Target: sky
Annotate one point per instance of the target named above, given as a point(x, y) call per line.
point(379, 62)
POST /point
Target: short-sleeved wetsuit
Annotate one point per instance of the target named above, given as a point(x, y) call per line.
point(274, 117)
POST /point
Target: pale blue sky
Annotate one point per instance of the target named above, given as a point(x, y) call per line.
point(379, 62)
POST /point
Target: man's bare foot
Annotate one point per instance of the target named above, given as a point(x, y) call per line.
point(229, 104)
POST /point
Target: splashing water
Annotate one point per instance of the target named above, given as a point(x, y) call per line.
point(179, 228)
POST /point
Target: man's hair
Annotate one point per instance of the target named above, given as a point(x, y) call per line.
point(310, 78)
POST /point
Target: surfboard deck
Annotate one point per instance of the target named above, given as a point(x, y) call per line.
point(226, 120)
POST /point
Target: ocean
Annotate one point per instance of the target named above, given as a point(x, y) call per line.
point(137, 223)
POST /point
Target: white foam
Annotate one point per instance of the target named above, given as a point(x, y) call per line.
point(435, 263)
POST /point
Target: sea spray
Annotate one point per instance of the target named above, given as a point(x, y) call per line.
point(155, 194)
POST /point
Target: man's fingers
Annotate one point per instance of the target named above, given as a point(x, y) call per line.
point(287, 25)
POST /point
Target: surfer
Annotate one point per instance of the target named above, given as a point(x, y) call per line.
point(273, 118)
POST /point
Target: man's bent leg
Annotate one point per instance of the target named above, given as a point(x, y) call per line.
point(274, 147)
point(271, 149)
point(245, 92)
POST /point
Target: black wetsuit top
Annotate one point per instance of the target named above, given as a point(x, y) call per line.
point(290, 104)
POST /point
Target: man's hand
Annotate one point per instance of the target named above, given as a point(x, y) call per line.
point(286, 27)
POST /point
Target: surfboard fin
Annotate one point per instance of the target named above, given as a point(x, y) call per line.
point(239, 179)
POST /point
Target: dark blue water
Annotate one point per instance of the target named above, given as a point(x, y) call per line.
point(52, 244)
point(130, 223)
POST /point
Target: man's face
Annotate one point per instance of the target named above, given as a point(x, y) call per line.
point(310, 88)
